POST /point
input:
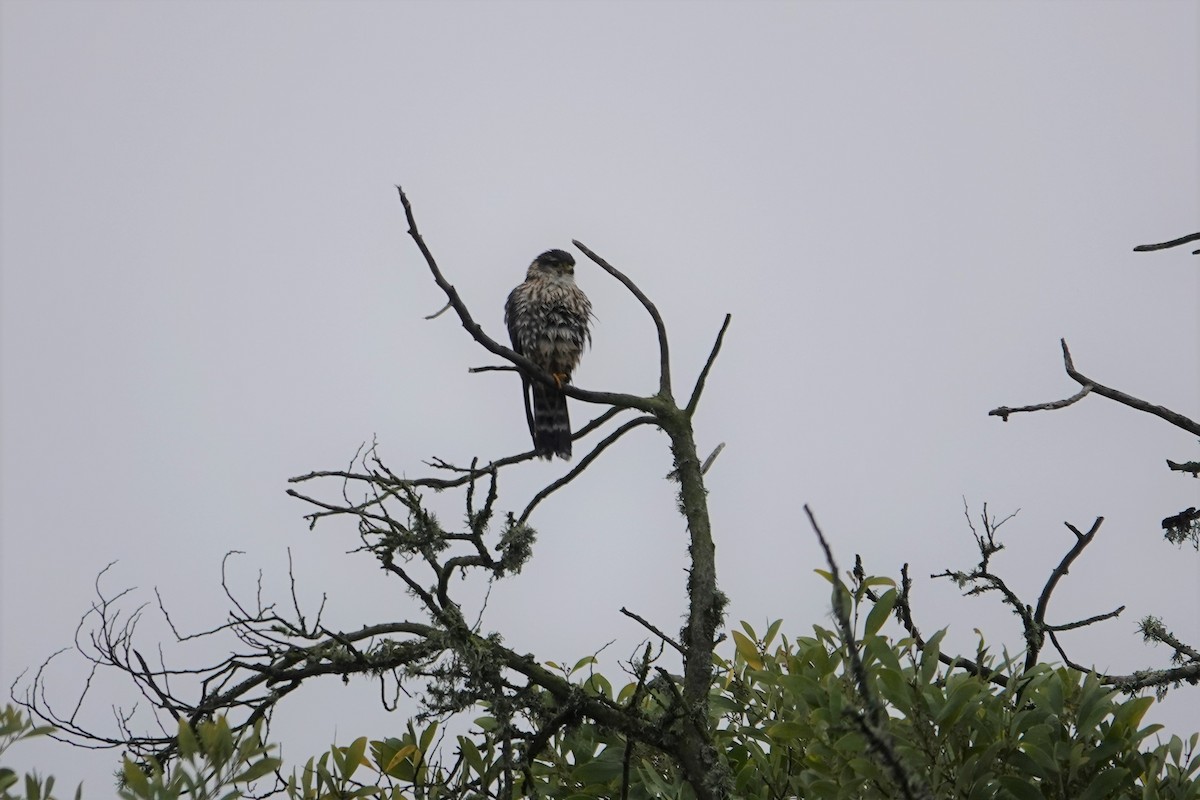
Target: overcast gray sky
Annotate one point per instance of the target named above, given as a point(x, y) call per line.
point(207, 288)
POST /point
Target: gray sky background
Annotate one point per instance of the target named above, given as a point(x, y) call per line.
point(208, 288)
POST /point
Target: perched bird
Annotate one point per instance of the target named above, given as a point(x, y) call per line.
point(547, 318)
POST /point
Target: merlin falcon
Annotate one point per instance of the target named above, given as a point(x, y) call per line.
point(547, 318)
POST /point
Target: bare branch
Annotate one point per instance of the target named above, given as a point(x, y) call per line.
point(712, 458)
point(648, 626)
point(1089, 386)
point(584, 463)
point(440, 311)
point(664, 353)
point(1082, 540)
point(1178, 420)
point(1003, 411)
point(712, 357)
point(1192, 237)
point(493, 368)
point(1083, 623)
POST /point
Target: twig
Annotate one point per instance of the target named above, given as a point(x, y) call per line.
point(712, 357)
point(712, 457)
point(1187, 466)
point(1191, 237)
point(1003, 411)
point(1083, 623)
point(493, 368)
point(650, 627)
point(441, 311)
point(583, 464)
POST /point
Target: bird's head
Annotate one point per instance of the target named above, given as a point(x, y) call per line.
point(557, 263)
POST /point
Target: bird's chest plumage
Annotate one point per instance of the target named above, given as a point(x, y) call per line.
point(549, 321)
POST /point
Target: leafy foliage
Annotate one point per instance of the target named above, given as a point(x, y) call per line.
point(783, 711)
point(213, 763)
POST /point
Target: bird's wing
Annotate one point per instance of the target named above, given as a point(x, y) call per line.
point(510, 314)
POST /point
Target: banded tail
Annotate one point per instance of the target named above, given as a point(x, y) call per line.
point(551, 424)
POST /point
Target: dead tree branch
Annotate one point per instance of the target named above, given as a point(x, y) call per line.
point(1089, 385)
point(1192, 237)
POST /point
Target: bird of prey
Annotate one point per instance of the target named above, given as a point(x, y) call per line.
point(547, 318)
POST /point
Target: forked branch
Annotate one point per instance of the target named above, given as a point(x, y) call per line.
point(1089, 385)
point(664, 350)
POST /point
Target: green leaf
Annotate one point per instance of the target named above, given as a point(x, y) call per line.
point(216, 740)
point(1132, 711)
point(471, 755)
point(747, 776)
point(654, 783)
point(401, 765)
point(826, 574)
point(599, 684)
point(929, 656)
point(1175, 748)
point(583, 662)
point(1094, 703)
point(1021, 788)
point(339, 759)
point(427, 736)
point(1104, 785)
point(959, 696)
point(1055, 694)
point(786, 731)
point(135, 779)
point(324, 778)
point(895, 689)
point(823, 789)
point(599, 770)
point(188, 746)
point(257, 770)
point(880, 612)
point(878, 580)
point(747, 650)
point(878, 648)
point(772, 629)
point(355, 756)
